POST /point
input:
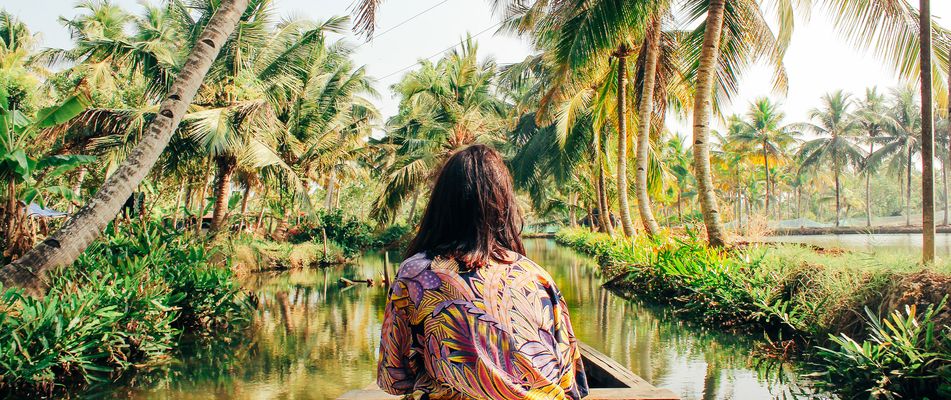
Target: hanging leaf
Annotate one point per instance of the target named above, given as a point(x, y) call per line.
point(62, 112)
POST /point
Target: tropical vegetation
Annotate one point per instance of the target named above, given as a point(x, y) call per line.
point(201, 127)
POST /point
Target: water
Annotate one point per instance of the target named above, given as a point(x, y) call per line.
point(313, 339)
point(901, 242)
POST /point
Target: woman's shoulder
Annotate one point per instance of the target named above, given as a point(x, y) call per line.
point(413, 265)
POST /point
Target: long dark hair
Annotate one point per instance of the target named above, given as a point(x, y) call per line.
point(472, 215)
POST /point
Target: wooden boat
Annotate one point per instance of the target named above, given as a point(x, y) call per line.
point(607, 380)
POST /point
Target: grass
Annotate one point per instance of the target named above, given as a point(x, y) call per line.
point(800, 296)
point(252, 255)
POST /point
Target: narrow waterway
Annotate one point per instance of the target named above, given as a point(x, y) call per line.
point(889, 242)
point(310, 338)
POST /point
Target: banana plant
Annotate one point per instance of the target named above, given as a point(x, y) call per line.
point(28, 178)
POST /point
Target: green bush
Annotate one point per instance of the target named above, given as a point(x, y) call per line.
point(791, 292)
point(125, 301)
point(906, 357)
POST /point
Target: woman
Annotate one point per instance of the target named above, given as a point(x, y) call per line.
point(469, 316)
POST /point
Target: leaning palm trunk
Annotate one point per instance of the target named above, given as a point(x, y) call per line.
point(927, 135)
point(63, 247)
point(702, 110)
point(643, 129)
point(622, 187)
point(244, 208)
point(226, 167)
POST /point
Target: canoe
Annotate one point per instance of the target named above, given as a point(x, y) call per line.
point(607, 380)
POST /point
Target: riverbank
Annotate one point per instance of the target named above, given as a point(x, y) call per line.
point(130, 300)
point(854, 230)
point(801, 298)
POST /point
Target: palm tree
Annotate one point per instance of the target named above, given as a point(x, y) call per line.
point(837, 130)
point(702, 110)
point(64, 246)
point(927, 134)
point(902, 139)
point(443, 107)
point(871, 116)
point(764, 128)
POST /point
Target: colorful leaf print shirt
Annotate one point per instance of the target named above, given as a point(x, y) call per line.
point(499, 332)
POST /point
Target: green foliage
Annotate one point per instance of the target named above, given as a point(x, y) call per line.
point(124, 302)
point(350, 234)
point(906, 356)
point(791, 292)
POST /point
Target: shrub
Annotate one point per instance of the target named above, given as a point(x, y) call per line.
point(906, 356)
point(125, 301)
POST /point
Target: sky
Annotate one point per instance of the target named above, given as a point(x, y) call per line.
point(817, 62)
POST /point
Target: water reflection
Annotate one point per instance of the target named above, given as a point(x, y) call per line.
point(311, 338)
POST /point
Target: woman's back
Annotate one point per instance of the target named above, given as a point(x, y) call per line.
point(500, 331)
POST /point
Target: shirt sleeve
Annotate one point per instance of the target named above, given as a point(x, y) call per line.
point(395, 373)
point(563, 324)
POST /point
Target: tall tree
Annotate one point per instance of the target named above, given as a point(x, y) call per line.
point(64, 246)
point(764, 128)
point(927, 135)
point(644, 117)
point(836, 144)
point(871, 115)
point(702, 112)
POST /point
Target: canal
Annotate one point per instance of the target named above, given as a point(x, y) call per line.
point(311, 338)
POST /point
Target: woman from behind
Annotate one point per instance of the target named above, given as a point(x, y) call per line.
point(469, 316)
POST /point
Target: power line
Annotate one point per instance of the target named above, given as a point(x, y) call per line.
point(404, 22)
point(440, 52)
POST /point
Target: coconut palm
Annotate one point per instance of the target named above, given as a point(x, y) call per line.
point(764, 128)
point(64, 246)
point(902, 139)
point(927, 132)
point(871, 116)
point(443, 107)
point(837, 143)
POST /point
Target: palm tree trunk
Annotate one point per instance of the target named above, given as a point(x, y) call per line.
point(331, 183)
point(643, 127)
point(766, 170)
point(927, 135)
point(226, 167)
point(64, 246)
point(944, 180)
point(835, 163)
point(178, 206)
point(78, 186)
point(868, 199)
point(680, 213)
point(622, 153)
point(572, 207)
point(244, 207)
point(702, 110)
point(257, 224)
point(605, 212)
point(868, 191)
point(945, 166)
point(908, 190)
point(202, 194)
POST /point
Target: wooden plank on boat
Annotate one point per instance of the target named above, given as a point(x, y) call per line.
point(608, 380)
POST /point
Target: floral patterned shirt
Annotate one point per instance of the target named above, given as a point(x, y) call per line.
point(499, 332)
